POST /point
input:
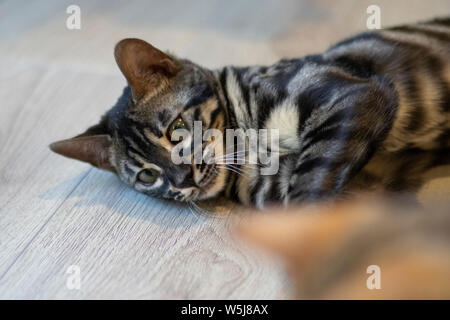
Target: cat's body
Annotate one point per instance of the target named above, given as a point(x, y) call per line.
point(399, 80)
point(372, 112)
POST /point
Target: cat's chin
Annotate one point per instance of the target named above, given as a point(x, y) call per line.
point(212, 185)
point(193, 196)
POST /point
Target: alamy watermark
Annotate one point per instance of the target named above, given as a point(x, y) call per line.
point(73, 21)
point(374, 19)
point(374, 280)
point(73, 281)
point(251, 146)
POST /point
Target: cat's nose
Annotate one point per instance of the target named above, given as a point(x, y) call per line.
point(181, 176)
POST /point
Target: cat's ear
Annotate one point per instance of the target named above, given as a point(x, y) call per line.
point(92, 147)
point(143, 65)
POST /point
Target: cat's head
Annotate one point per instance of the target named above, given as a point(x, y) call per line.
point(134, 138)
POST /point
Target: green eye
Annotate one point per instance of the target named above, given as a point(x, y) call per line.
point(148, 175)
point(177, 124)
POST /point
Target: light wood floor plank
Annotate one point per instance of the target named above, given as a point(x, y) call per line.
point(128, 245)
point(34, 182)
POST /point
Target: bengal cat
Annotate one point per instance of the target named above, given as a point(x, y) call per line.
point(370, 113)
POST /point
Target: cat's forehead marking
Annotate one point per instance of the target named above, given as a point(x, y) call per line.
point(159, 85)
point(209, 108)
point(158, 140)
point(164, 117)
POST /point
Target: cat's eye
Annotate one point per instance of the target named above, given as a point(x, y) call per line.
point(177, 124)
point(148, 176)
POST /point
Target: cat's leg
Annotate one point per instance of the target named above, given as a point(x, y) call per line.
point(337, 141)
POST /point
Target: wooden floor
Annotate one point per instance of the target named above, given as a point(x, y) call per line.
point(55, 82)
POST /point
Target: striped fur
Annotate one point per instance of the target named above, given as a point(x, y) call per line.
point(371, 113)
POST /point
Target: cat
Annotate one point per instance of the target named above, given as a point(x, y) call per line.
point(367, 248)
point(370, 113)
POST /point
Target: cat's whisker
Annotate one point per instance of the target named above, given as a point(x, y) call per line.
point(241, 164)
point(240, 169)
point(235, 170)
point(229, 161)
point(230, 155)
point(202, 212)
point(232, 170)
point(192, 209)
